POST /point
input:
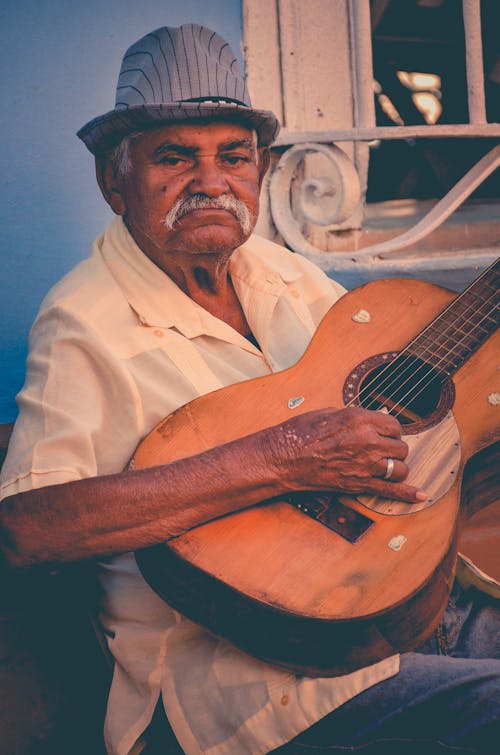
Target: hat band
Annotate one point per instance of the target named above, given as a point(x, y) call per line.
point(229, 100)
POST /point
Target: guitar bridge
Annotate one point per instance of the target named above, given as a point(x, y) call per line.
point(327, 509)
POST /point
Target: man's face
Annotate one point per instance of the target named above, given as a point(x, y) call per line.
point(177, 174)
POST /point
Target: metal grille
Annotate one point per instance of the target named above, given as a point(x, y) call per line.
point(365, 128)
point(332, 201)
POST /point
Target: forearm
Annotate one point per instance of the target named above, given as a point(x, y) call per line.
point(104, 515)
point(344, 450)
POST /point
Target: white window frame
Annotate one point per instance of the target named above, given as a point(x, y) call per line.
point(296, 53)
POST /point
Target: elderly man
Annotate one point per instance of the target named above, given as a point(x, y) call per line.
point(178, 299)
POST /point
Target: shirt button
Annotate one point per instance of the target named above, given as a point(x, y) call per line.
point(294, 293)
point(158, 333)
point(285, 699)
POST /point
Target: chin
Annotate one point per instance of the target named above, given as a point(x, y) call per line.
point(211, 239)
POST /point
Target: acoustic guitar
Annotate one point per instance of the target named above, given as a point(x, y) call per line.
point(324, 583)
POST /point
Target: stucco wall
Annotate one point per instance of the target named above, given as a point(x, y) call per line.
point(59, 63)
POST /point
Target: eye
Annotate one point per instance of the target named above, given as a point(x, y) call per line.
point(172, 160)
point(235, 159)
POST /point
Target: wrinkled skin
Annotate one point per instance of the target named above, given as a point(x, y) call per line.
point(343, 450)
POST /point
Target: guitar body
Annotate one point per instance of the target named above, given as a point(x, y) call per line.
point(316, 598)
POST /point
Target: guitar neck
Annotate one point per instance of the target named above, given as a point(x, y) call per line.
point(457, 332)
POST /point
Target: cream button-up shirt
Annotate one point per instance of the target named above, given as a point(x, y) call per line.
point(116, 347)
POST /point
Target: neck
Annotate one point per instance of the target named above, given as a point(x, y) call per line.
point(200, 275)
point(203, 276)
point(206, 280)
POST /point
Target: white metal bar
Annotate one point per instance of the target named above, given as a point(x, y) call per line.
point(363, 102)
point(444, 208)
point(389, 132)
point(362, 62)
point(474, 61)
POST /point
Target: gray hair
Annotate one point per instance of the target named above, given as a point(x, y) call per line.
point(120, 154)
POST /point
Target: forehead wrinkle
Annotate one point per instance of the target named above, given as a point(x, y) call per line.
point(236, 144)
point(181, 149)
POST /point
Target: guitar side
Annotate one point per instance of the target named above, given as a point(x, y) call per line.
point(314, 601)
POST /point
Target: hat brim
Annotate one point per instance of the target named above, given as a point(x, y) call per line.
point(104, 132)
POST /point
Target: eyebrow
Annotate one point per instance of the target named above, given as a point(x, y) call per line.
point(237, 144)
point(187, 151)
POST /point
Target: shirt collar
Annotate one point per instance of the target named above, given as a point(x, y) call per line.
point(159, 302)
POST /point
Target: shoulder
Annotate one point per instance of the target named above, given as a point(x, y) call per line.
point(87, 298)
point(83, 289)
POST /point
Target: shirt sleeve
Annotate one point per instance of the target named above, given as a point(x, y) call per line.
point(77, 401)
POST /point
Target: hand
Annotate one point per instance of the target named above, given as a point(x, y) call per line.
point(343, 450)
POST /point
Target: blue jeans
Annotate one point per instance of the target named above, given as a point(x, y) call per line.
point(445, 699)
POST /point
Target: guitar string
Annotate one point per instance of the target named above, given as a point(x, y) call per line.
point(427, 376)
point(421, 383)
point(458, 346)
point(464, 315)
point(389, 369)
point(421, 386)
point(366, 388)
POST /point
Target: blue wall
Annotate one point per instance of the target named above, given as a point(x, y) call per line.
point(59, 64)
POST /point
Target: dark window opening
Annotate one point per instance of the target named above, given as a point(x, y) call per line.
point(420, 77)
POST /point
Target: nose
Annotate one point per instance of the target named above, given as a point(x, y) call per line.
point(208, 178)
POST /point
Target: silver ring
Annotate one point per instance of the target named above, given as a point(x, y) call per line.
point(390, 469)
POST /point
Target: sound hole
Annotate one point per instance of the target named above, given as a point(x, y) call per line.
point(402, 385)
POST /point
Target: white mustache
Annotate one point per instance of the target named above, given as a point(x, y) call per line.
point(201, 202)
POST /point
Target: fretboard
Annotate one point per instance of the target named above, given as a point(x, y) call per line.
point(455, 334)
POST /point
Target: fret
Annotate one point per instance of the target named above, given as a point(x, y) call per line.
point(449, 340)
point(441, 344)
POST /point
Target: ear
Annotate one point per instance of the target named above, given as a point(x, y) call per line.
point(264, 161)
point(109, 184)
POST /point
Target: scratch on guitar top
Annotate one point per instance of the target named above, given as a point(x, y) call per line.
point(362, 316)
point(397, 542)
point(494, 399)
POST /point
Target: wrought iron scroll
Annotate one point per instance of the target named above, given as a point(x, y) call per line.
point(332, 199)
point(329, 200)
point(326, 199)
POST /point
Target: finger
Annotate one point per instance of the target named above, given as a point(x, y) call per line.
point(395, 449)
point(387, 425)
point(398, 470)
point(399, 491)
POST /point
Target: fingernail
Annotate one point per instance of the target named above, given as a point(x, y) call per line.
point(421, 495)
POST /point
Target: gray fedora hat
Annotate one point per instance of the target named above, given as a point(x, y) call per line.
point(177, 74)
